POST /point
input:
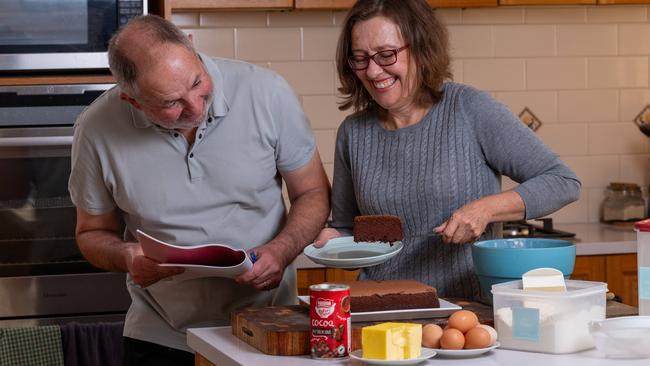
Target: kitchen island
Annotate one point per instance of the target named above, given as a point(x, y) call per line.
point(217, 346)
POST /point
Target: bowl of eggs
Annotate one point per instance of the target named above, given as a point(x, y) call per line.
point(503, 260)
point(463, 336)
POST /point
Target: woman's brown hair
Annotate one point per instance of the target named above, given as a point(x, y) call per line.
point(428, 45)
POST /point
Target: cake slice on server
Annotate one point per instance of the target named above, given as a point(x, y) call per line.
point(383, 228)
point(368, 295)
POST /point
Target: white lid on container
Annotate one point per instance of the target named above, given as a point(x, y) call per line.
point(574, 288)
point(643, 225)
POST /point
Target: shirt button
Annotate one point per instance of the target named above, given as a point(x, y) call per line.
point(191, 155)
point(175, 134)
point(209, 119)
point(200, 135)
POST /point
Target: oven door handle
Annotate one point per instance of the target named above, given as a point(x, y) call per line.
point(36, 141)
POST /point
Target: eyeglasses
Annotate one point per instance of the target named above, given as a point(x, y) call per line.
point(381, 58)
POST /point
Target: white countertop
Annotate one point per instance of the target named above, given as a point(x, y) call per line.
point(591, 239)
point(220, 347)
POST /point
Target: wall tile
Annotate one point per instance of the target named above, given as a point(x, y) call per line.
point(323, 111)
point(507, 183)
point(306, 78)
point(326, 142)
point(616, 14)
point(576, 212)
point(596, 170)
point(234, 19)
point(565, 138)
point(617, 72)
point(185, 19)
point(449, 16)
point(596, 197)
point(501, 15)
point(542, 104)
point(300, 18)
point(556, 73)
point(214, 42)
point(339, 17)
point(587, 40)
point(457, 70)
point(555, 15)
point(629, 39)
point(587, 106)
point(633, 101)
point(329, 170)
point(268, 44)
point(616, 138)
point(524, 40)
point(319, 43)
point(471, 41)
point(495, 74)
point(636, 169)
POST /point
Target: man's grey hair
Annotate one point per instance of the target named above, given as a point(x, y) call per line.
point(151, 30)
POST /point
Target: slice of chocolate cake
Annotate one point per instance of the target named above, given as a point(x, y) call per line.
point(384, 228)
point(391, 295)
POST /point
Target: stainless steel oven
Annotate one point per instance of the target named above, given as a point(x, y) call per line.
point(40, 35)
point(43, 277)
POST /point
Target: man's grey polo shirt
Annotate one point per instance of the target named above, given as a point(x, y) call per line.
point(226, 188)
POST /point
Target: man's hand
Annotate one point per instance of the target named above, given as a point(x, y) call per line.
point(267, 271)
point(325, 235)
point(144, 270)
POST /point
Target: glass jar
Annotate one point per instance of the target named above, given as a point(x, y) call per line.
point(623, 202)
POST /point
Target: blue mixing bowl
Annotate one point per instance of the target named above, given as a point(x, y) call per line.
point(503, 260)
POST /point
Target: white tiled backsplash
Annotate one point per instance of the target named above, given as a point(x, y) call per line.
point(582, 70)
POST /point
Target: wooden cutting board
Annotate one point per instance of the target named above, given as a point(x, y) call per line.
point(284, 330)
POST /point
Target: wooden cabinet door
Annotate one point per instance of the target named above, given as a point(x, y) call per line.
point(308, 277)
point(607, 2)
point(622, 277)
point(462, 3)
point(335, 274)
point(546, 2)
point(347, 4)
point(590, 268)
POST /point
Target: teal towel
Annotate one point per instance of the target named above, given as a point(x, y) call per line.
point(35, 346)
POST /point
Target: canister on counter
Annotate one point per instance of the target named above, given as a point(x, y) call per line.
point(330, 328)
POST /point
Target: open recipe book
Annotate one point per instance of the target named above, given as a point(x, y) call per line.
point(206, 260)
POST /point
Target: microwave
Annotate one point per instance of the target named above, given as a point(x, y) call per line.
point(56, 35)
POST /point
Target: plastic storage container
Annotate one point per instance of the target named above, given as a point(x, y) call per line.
point(550, 322)
point(643, 264)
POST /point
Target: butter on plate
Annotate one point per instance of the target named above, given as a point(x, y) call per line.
point(392, 341)
point(544, 279)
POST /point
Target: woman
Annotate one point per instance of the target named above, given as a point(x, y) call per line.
point(429, 151)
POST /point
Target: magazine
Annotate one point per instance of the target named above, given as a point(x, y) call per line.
point(206, 260)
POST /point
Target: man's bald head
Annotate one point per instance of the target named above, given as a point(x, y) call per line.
point(138, 43)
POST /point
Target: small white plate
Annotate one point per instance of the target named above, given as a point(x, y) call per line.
point(344, 252)
point(463, 353)
point(446, 308)
point(424, 355)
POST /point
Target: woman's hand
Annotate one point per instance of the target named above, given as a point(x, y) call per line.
point(325, 235)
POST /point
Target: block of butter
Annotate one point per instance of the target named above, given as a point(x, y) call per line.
point(391, 341)
point(544, 279)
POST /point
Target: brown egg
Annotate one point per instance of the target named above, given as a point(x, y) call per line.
point(477, 337)
point(431, 334)
point(463, 320)
point(492, 331)
point(452, 339)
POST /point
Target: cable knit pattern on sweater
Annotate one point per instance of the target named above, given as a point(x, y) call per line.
point(424, 172)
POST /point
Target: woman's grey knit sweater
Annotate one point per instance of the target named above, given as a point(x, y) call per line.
point(424, 172)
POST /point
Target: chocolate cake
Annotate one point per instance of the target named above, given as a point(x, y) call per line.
point(391, 295)
point(384, 228)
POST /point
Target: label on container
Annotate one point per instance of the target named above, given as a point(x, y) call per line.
point(644, 283)
point(525, 324)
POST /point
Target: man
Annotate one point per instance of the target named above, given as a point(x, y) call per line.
point(192, 150)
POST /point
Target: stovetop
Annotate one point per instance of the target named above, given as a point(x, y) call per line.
point(525, 229)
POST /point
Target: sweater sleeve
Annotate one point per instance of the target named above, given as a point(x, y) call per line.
point(344, 202)
point(510, 148)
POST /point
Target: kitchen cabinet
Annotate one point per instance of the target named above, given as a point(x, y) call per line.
point(56, 79)
point(618, 271)
point(346, 4)
point(167, 6)
point(547, 2)
point(312, 276)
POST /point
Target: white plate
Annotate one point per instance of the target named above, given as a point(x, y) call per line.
point(424, 355)
point(344, 252)
point(463, 353)
point(446, 308)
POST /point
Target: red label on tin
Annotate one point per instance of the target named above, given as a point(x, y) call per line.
point(330, 326)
